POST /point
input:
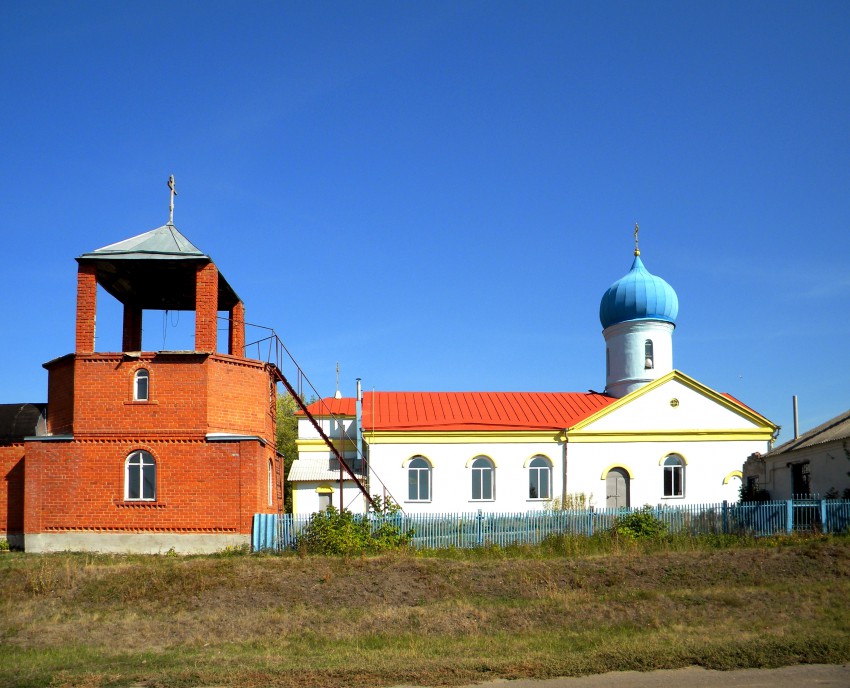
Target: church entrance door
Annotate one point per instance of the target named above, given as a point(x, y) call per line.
point(617, 489)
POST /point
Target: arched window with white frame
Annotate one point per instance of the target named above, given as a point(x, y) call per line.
point(419, 480)
point(540, 478)
point(140, 477)
point(674, 476)
point(141, 385)
point(483, 479)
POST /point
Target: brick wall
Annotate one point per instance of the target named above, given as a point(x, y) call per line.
point(206, 307)
point(60, 395)
point(240, 397)
point(201, 487)
point(11, 488)
point(189, 394)
point(86, 306)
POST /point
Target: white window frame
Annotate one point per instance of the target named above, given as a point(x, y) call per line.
point(142, 374)
point(674, 465)
point(417, 473)
point(140, 468)
point(538, 466)
point(484, 465)
point(271, 483)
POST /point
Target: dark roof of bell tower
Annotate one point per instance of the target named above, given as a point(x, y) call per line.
point(155, 271)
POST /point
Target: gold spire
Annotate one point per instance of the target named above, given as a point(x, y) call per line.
point(637, 229)
point(171, 204)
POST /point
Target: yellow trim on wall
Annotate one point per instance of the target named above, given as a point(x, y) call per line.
point(679, 454)
point(673, 436)
point(461, 437)
point(318, 445)
point(733, 474)
point(482, 456)
point(534, 456)
point(325, 489)
point(416, 456)
point(617, 465)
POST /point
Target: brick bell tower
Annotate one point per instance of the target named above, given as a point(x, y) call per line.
point(152, 450)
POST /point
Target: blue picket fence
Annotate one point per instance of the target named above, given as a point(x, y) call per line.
point(477, 529)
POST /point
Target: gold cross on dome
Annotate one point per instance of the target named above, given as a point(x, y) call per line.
point(171, 204)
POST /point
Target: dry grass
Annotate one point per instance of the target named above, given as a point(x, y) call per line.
point(87, 620)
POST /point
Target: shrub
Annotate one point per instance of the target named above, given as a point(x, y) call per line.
point(4, 545)
point(640, 525)
point(341, 532)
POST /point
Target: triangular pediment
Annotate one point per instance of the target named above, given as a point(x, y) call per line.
point(675, 404)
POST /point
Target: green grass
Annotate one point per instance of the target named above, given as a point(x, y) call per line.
point(568, 608)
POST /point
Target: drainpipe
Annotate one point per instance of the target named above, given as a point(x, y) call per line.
point(358, 428)
point(796, 421)
point(564, 486)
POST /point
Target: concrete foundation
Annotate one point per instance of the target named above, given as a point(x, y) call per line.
point(135, 543)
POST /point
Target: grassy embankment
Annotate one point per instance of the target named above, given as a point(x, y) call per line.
point(574, 608)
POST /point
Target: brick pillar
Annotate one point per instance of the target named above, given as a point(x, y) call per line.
point(237, 330)
point(206, 307)
point(86, 307)
point(132, 340)
point(34, 452)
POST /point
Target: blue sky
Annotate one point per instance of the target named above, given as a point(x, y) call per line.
point(437, 194)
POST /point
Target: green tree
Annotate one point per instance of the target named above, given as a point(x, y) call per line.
point(286, 433)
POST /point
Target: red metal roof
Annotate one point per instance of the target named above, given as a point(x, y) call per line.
point(451, 411)
point(331, 406)
point(448, 411)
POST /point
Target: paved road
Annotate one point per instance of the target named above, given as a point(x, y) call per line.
point(800, 676)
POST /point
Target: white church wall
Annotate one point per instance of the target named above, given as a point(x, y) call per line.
point(330, 426)
point(451, 474)
point(708, 471)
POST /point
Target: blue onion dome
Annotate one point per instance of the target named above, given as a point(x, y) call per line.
point(638, 296)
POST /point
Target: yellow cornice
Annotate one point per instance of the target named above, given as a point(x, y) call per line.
point(733, 435)
point(764, 424)
point(318, 445)
point(462, 437)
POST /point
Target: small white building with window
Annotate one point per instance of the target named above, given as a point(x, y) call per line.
point(655, 436)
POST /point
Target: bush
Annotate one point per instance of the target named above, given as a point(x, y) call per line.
point(4, 545)
point(640, 525)
point(341, 532)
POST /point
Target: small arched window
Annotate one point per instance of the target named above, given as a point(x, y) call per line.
point(674, 476)
point(140, 477)
point(141, 385)
point(419, 480)
point(540, 478)
point(483, 479)
point(650, 358)
point(607, 361)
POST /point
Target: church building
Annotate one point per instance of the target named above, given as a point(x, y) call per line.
point(655, 436)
